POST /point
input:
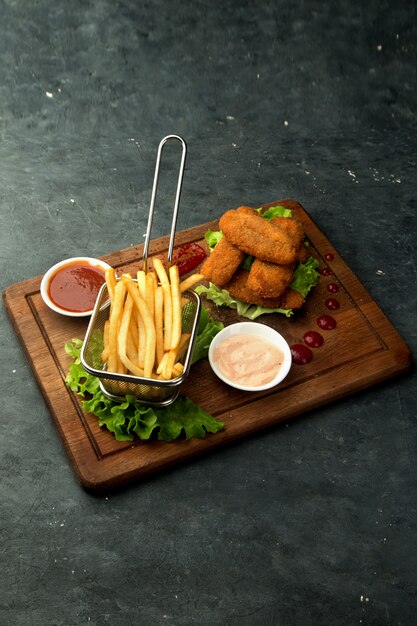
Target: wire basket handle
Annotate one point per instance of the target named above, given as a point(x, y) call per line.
point(153, 198)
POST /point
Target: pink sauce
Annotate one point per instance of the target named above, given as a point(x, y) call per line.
point(248, 360)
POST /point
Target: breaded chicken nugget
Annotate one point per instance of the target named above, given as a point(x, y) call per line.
point(292, 228)
point(292, 299)
point(258, 237)
point(238, 288)
point(269, 279)
point(222, 263)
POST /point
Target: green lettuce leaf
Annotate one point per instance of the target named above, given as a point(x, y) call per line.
point(275, 211)
point(213, 237)
point(204, 339)
point(305, 276)
point(185, 417)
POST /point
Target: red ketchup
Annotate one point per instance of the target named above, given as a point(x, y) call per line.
point(326, 322)
point(187, 257)
point(301, 355)
point(332, 303)
point(332, 288)
point(74, 287)
point(313, 339)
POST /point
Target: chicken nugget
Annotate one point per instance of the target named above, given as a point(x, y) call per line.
point(247, 209)
point(292, 228)
point(258, 237)
point(238, 288)
point(292, 299)
point(269, 279)
point(222, 263)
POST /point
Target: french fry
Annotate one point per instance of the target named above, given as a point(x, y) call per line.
point(161, 365)
point(159, 323)
point(141, 276)
point(105, 353)
point(173, 356)
point(133, 330)
point(174, 278)
point(141, 285)
point(150, 335)
point(132, 337)
point(111, 282)
point(113, 363)
point(151, 284)
point(189, 282)
point(177, 370)
point(169, 364)
point(166, 288)
point(123, 338)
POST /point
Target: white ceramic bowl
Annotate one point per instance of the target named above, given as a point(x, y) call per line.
point(263, 332)
point(46, 280)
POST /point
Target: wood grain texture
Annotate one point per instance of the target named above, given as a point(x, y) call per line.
point(363, 350)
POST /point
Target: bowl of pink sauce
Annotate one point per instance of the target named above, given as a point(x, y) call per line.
point(250, 356)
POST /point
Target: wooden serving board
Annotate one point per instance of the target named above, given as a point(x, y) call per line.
point(362, 350)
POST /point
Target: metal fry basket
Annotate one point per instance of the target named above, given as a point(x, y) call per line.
point(147, 390)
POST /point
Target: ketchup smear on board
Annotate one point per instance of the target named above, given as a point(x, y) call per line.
point(74, 287)
point(187, 257)
point(301, 355)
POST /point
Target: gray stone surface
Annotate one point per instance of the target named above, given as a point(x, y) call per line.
point(313, 522)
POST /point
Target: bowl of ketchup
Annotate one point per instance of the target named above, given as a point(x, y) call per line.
point(250, 356)
point(71, 287)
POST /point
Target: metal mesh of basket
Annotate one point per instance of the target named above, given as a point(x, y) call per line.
point(147, 390)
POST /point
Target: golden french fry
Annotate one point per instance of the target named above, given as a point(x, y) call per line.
point(150, 335)
point(141, 276)
point(150, 292)
point(174, 279)
point(105, 353)
point(177, 370)
point(161, 365)
point(189, 282)
point(169, 364)
point(123, 338)
point(111, 282)
point(141, 340)
point(159, 323)
point(115, 318)
point(166, 288)
point(133, 330)
point(132, 337)
point(174, 355)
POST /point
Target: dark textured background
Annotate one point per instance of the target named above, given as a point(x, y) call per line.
point(313, 522)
